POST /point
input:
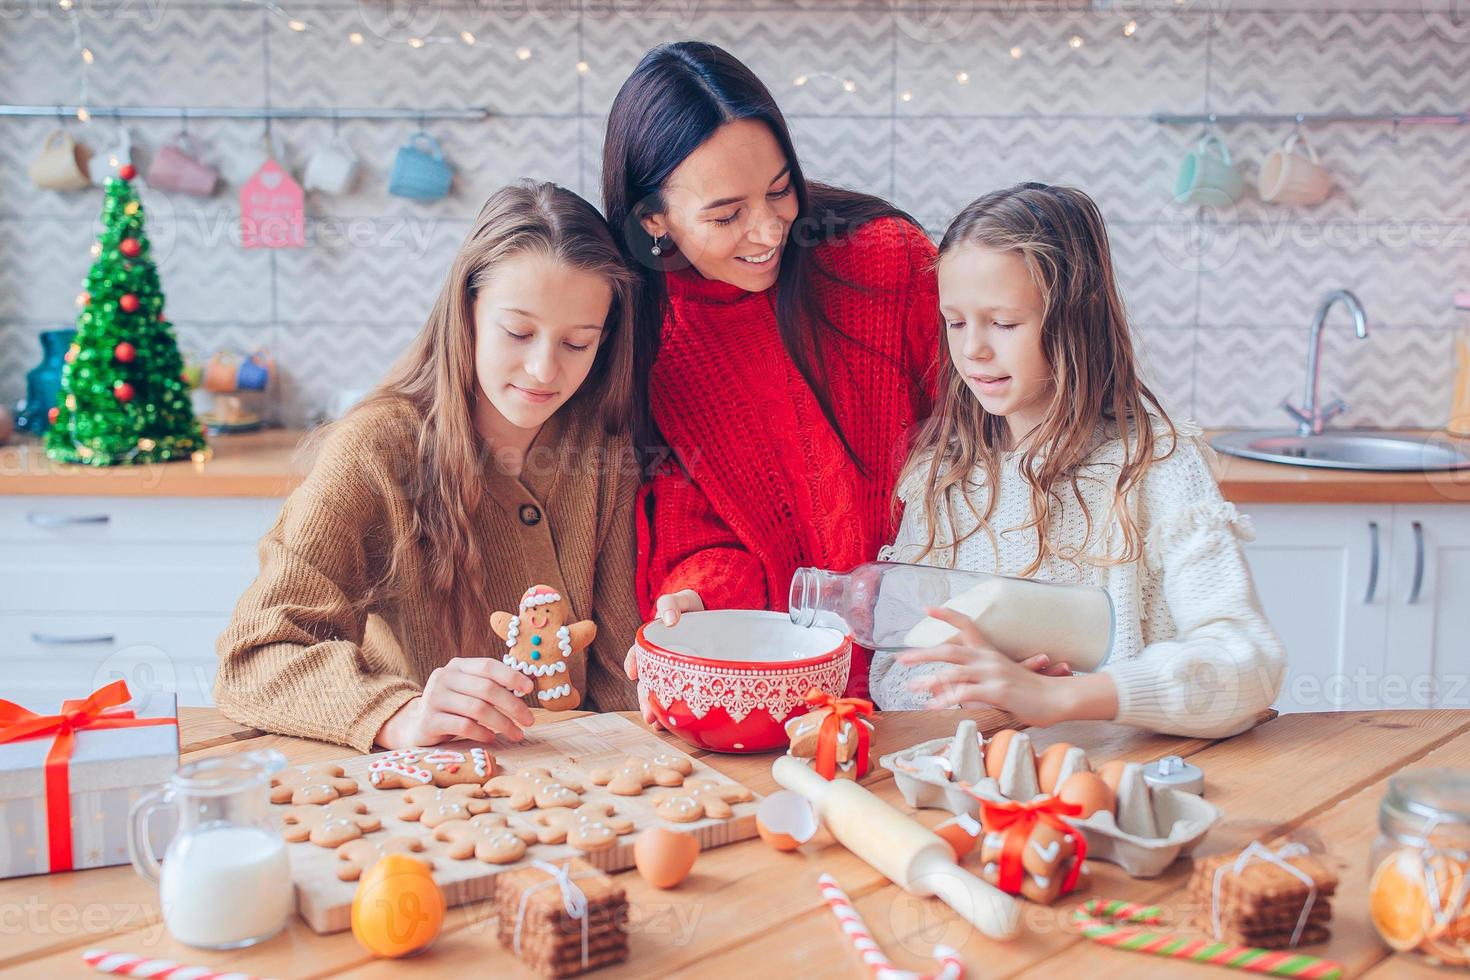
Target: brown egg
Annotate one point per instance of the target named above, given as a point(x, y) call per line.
point(1050, 765)
point(1088, 791)
point(786, 820)
point(995, 752)
point(1112, 773)
point(664, 857)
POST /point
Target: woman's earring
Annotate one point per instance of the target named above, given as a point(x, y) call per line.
point(657, 249)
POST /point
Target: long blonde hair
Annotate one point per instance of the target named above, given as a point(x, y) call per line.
point(436, 375)
point(1060, 235)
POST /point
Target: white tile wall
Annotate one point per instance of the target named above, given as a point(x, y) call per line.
point(1221, 299)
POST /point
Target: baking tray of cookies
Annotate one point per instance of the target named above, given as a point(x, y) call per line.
point(582, 787)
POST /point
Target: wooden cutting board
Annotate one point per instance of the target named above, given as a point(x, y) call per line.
point(572, 748)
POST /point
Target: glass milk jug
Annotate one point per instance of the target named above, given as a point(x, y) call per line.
point(225, 880)
point(882, 604)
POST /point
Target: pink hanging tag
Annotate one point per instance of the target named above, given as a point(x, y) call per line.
point(272, 210)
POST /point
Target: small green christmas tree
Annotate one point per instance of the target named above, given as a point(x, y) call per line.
point(123, 396)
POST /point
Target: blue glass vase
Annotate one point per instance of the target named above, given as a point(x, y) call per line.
point(43, 382)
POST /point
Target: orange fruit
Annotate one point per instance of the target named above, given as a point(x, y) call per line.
point(1397, 902)
point(1446, 908)
point(397, 909)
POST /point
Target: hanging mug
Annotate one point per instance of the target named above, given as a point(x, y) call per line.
point(221, 372)
point(331, 167)
point(62, 163)
point(176, 167)
point(1208, 176)
point(419, 170)
point(255, 372)
point(105, 165)
point(1289, 177)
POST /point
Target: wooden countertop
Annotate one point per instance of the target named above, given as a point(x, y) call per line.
point(267, 464)
point(746, 900)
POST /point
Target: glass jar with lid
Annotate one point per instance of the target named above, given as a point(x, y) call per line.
point(1420, 866)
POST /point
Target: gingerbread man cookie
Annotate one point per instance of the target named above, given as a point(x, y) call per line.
point(638, 773)
point(488, 837)
point(356, 856)
point(541, 641)
point(700, 798)
point(431, 806)
point(311, 784)
point(535, 787)
point(330, 824)
point(590, 827)
point(407, 768)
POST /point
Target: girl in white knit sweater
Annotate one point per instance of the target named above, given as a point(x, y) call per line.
point(1093, 483)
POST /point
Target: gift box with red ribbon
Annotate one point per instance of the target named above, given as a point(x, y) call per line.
point(70, 771)
point(1029, 849)
point(834, 733)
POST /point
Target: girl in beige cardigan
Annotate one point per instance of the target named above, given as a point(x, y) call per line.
point(492, 458)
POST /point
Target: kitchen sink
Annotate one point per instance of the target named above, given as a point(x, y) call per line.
point(1347, 449)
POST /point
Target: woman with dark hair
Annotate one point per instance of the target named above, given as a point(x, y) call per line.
point(788, 332)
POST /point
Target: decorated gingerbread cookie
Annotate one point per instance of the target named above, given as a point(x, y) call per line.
point(432, 806)
point(541, 641)
point(355, 857)
point(407, 768)
point(328, 825)
point(590, 827)
point(311, 784)
point(638, 773)
point(489, 838)
point(700, 798)
point(1048, 857)
point(535, 787)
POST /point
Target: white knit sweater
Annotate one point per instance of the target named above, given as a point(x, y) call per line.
point(1193, 653)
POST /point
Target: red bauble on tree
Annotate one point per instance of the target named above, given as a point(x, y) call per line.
point(125, 352)
point(127, 171)
point(128, 303)
point(123, 392)
point(129, 247)
point(53, 415)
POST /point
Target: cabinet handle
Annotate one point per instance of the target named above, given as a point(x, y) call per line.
point(65, 520)
point(1372, 564)
point(52, 640)
point(1418, 563)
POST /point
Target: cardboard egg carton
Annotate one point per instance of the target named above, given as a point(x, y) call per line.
point(1145, 832)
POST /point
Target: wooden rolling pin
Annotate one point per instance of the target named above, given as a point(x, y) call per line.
point(911, 856)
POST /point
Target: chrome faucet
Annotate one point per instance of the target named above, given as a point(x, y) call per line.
point(1310, 419)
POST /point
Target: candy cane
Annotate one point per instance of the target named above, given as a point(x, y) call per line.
point(953, 968)
point(129, 965)
point(1098, 920)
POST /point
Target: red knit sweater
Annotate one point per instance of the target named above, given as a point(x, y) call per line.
point(769, 486)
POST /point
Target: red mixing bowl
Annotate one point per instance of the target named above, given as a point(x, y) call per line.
point(728, 680)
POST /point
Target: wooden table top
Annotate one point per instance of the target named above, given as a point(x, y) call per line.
point(1320, 775)
point(267, 464)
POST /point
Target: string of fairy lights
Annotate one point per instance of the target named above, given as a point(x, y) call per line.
point(356, 38)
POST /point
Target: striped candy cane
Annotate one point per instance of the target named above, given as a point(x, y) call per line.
point(129, 965)
point(952, 967)
point(1099, 921)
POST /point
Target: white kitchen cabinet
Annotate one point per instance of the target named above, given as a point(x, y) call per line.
point(96, 589)
point(1338, 583)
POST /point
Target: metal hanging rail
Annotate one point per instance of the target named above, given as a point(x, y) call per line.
point(1314, 118)
point(234, 112)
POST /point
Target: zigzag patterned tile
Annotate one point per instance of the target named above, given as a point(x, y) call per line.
point(46, 263)
point(847, 152)
point(318, 360)
point(1337, 61)
point(485, 156)
point(1279, 273)
point(1166, 357)
point(1110, 73)
point(19, 352)
point(321, 67)
point(1394, 378)
point(146, 54)
point(367, 271)
point(827, 49)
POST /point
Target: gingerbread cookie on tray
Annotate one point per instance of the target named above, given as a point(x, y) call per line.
point(542, 641)
point(407, 768)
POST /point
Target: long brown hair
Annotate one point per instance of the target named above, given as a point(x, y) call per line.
point(1060, 234)
point(436, 375)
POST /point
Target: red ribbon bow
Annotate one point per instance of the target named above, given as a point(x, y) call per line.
point(843, 709)
point(1016, 821)
point(97, 710)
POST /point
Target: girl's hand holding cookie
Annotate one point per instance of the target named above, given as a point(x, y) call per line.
point(470, 697)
